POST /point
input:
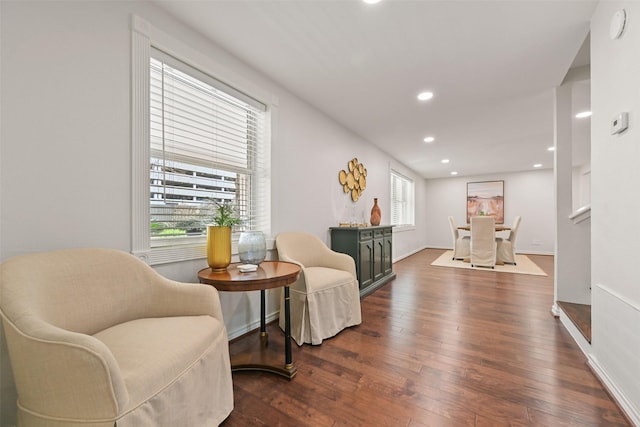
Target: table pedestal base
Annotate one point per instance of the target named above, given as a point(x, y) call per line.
point(256, 354)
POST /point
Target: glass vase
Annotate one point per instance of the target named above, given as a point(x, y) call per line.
point(252, 247)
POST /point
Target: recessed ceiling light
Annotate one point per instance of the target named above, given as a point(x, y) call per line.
point(454, 173)
point(551, 149)
point(371, 1)
point(429, 139)
point(444, 161)
point(537, 165)
point(583, 114)
point(424, 96)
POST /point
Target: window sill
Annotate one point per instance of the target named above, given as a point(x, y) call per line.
point(403, 228)
point(187, 252)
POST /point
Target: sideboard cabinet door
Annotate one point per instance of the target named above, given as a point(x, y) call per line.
point(378, 254)
point(371, 248)
point(365, 276)
point(387, 263)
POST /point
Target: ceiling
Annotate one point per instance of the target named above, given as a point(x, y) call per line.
point(492, 66)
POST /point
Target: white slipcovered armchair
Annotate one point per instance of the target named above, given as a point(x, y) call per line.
point(98, 338)
point(325, 299)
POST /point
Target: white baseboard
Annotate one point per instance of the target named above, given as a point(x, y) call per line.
point(577, 336)
point(627, 406)
point(251, 326)
point(527, 252)
point(535, 253)
point(631, 410)
point(403, 256)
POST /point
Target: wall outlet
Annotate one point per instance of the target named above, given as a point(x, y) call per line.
point(536, 242)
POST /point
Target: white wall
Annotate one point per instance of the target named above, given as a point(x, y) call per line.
point(528, 194)
point(65, 153)
point(615, 176)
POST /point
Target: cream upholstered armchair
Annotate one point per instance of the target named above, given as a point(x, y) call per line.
point(483, 241)
point(461, 244)
point(507, 247)
point(98, 338)
point(325, 299)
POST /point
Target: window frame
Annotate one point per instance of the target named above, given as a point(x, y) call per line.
point(408, 217)
point(143, 37)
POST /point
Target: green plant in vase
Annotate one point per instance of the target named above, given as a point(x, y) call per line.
point(225, 215)
point(219, 236)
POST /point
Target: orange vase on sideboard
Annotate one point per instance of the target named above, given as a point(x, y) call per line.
point(375, 213)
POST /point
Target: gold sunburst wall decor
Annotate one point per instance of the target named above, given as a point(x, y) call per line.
point(353, 180)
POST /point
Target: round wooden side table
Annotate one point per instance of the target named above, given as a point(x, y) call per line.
point(269, 275)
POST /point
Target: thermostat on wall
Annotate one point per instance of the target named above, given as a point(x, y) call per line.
point(619, 123)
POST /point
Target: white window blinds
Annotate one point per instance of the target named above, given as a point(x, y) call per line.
point(207, 146)
point(402, 200)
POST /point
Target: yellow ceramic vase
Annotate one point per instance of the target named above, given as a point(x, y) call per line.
point(218, 247)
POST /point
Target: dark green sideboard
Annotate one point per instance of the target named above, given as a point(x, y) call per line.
point(370, 247)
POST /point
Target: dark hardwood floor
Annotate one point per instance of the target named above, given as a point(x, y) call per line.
point(580, 315)
point(437, 347)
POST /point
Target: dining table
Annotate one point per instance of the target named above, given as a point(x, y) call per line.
point(499, 227)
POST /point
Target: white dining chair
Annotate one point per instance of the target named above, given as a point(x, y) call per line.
point(483, 241)
point(461, 244)
point(507, 247)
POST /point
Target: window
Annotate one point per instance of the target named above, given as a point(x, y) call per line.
point(402, 199)
point(197, 142)
point(204, 150)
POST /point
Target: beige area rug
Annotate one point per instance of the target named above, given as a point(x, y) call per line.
point(524, 265)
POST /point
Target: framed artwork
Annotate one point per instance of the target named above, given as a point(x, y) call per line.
point(485, 198)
